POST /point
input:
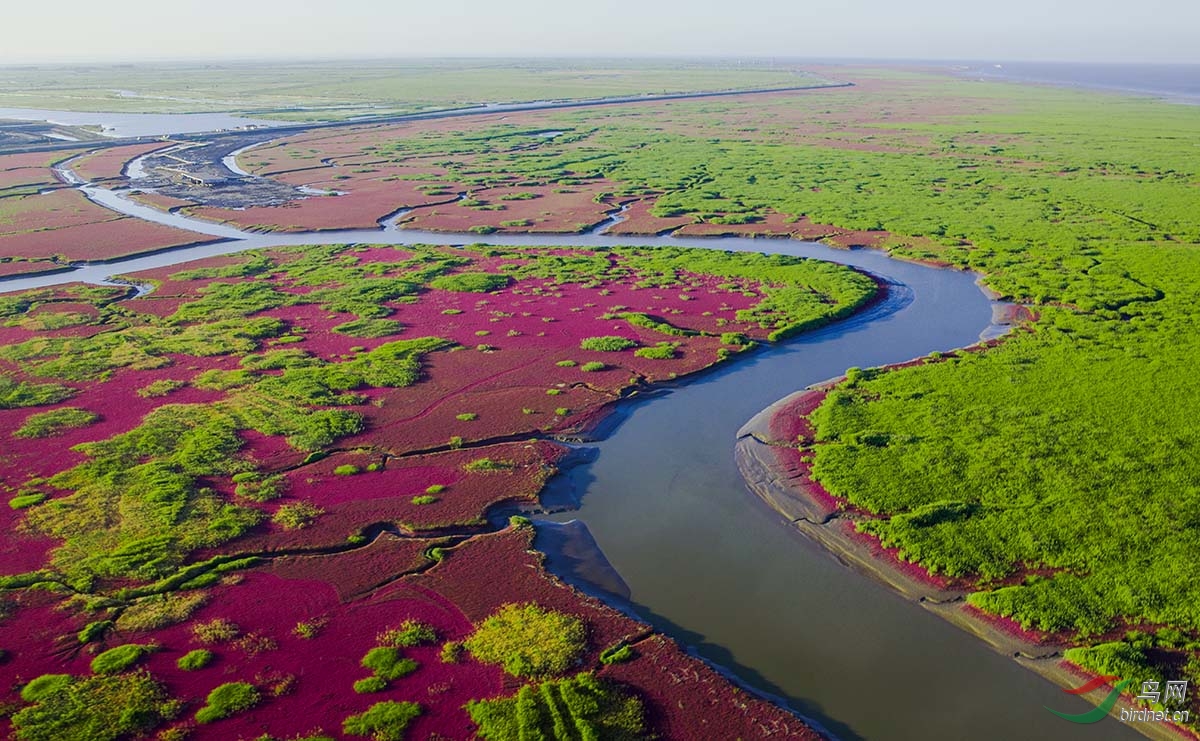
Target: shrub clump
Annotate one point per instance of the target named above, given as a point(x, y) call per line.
point(609, 343)
point(383, 721)
point(218, 630)
point(529, 641)
point(119, 659)
point(159, 388)
point(296, 516)
point(348, 469)
point(594, 366)
point(387, 663)
point(228, 699)
point(104, 707)
point(410, 633)
point(44, 685)
point(195, 659)
point(487, 464)
point(661, 351)
point(370, 328)
point(55, 422)
point(471, 282)
point(579, 707)
point(367, 685)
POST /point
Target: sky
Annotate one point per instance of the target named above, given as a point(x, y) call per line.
point(1011, 30)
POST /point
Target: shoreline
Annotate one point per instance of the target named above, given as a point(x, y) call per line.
point(773, 469)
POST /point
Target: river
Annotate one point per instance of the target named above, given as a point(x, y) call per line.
point(708, 563)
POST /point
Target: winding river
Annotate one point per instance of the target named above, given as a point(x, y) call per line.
point(711, 565)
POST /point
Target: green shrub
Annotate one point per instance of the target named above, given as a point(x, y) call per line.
point(617, 654)
point(228, 699)
point(566, 364)
point(17, 394)
point(451, 312)
point(217, 630)
point(24, 501)
point(121, 658)
point(451, 652)
point(487, 464)
point(466, 417)
point(661, 351)
point(422, 499)
point(410, 633)
point(264, 490)
point(296, 516)
point(593, 366)
point(160, 610)
point(580, 707)
point(608, 343)
point(55, 422)
point(104, 707)
point(370, 684)
point(346, 470)
point(388, 663)
point(159, 388)
point(308, 629)
point(516, 222)
point(370, 328)
point(435, 488)
point(529, 641)
point(94, 631)
point(471, 282)
point(195, 659)
point(45, 685)
point(734, 338)
point(553, 392)
point(383, 721)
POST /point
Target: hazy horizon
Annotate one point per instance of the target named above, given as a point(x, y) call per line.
point(1101, 31)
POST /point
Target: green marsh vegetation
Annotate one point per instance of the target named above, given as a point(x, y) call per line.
point(55, 422)
point(228, 699)
point(581, 707)
point(104, 707)
point(383, 721)
point(529, 641)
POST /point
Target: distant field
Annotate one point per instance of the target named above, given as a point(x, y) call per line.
point(335, 91)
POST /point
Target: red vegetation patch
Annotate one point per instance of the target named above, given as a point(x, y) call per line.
point(102, 240)
point(688, 699)
point(363, 204)
point(638, 221)
point(314, 675)
point(461, 496)
point(30, 170)
point(553, 209)
point(10, 266)
point(159, 201)
point(489, 571)
point(108, 164)
point(58, 209)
